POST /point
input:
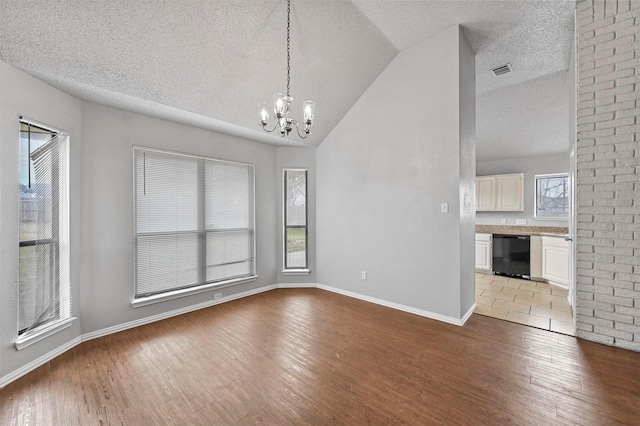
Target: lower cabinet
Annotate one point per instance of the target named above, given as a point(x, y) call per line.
point(483, 252)
point(555, 260)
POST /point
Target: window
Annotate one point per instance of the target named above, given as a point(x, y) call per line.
point(295, 219)
point(44, 296)
point(194, 224)
point(552, 196)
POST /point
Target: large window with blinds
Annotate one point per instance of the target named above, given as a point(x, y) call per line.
point(193, 223)
point(295, 219)
point(44, 293)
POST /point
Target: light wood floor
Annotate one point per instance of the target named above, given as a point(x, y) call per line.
point(531, 303)
point(306, 356)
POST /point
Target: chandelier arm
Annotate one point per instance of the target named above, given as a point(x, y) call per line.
point(301, 135)
point(275, 126)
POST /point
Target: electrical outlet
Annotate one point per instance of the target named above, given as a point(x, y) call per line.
point(363, 275)
point(217, 296)
point(444, 208)
point(521, 221)
point(503, 221)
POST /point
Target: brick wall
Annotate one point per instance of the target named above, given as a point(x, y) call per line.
point(608, 168)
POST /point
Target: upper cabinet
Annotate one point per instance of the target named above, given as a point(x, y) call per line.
point(486, 193)
point(503, 193)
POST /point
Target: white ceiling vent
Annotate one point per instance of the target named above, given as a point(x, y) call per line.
point(502, 69)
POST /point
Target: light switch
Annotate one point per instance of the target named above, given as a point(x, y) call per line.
point(444, 208)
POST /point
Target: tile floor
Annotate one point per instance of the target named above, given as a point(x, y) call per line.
point(526, 302)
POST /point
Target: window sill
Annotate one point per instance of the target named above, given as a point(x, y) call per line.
point(170, 295)
point(42, 332)
point(296, 272)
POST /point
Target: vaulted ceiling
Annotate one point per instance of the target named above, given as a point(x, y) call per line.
point(211, 63)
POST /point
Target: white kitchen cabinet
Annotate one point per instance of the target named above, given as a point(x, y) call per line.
point(511, 192)
point(486, 196)
point(500, 193)
point(535, 257)
point(483, 252)
point(555, 260)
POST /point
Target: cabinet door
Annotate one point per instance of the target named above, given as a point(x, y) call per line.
point(483, 255)
point(555, 260)
point(510, 192)
point(486, 195)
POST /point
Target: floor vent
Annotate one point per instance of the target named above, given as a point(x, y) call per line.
point(502, 69)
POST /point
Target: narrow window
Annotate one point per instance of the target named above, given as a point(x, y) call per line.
point(552, 196)
point(193, 222)
point(44, 293)
point(295, 219)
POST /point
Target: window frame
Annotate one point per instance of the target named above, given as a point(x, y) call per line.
point(203, 285)
point(59, 279)
point(286, 268)
point(536, 201)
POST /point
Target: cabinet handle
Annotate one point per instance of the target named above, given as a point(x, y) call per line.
point(568, 239)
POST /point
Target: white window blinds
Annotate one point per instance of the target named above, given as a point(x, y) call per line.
point(44, 287)
point(194, 221)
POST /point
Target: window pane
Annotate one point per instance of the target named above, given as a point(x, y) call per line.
point(31, 138)
point(296, 184)
point(296, 250)
point(227, 187)
point(166, 193)
point(36, 286)
point(295, 213)
point(552, 196)
point(166, 262)
point(30, 185)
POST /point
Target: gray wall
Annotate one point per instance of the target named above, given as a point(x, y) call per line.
point(608, 160)
point(530, 166)
point(107, 196)
point(297, 158)
point(467, 118)
point(24, 95)
point(383, 173)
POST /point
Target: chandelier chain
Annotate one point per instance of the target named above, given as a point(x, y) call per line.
point(288, 48)
point(281, 104)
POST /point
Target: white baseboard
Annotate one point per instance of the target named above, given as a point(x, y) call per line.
point(14, 375)
point(296, 285)
point(466, 316)
point(404, 308)
point(27, 368)
point(176, 312)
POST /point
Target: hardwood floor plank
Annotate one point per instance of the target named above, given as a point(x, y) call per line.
point(306, 356)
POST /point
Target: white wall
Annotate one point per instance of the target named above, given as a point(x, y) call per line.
point(383, 172)
point(21, 94)
point(530, 166)
point(107, 195)
point(297, 158)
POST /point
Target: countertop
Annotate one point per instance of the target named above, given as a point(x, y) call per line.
point(554, 231)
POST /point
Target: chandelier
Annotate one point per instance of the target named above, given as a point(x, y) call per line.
point(281, 103)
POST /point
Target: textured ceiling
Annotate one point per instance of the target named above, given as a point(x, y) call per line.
point(210, 63)
point(534, 36)
point(526, 119)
